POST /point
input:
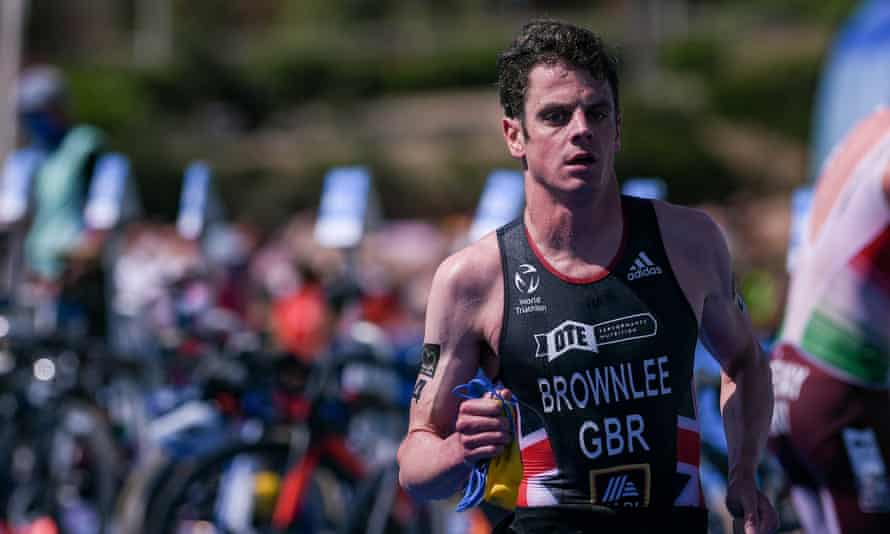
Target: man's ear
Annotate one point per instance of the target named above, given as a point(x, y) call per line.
point(514, 137)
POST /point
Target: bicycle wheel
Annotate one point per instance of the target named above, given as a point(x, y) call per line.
point(380, 506)
point(235, 490)
point(76, 479)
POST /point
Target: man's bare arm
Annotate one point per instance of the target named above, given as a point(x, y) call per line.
point(746, 393)
point(445, 437)
point(746, 400)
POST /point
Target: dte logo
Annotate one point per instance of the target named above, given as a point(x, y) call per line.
point(567, 336)
point(571, 335)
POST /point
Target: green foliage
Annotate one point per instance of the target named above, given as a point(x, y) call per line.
point(666, 143)
point(778, 95)
point(285, 77)
point(701, 54)
point(304, 75)
point(353, 51)
point(830, 12)
point(112, 99)
point(761, 294)
point(342, 11)
point(447, 69)
point(199, 76)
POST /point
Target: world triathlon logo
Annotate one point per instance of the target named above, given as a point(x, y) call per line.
point(527, 279)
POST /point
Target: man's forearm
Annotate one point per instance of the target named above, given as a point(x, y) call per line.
point(747, 406)
point(431, 467)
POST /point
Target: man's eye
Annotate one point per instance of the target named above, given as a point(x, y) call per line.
point(599, 115)
point(555, 116)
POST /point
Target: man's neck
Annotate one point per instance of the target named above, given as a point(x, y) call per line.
point(583, 230)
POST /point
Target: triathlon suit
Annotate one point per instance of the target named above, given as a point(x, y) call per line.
point(602, 369)
point(831, 366)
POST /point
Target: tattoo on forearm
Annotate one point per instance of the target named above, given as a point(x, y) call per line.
point(429, 359)
point(418, 390)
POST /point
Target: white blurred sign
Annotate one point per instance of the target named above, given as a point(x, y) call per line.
point(344, 207)
point(652, 188)
point(194, 200)
point(801, 201)
point(15, 188)
point(501, 202)
point(106, 196)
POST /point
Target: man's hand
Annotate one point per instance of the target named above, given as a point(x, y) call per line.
point(751, 511)
point(483, 428)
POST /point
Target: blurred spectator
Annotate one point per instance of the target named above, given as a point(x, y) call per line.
point(59, 186)
point(153, 261)
point(396, 264)
point(62, 256)
point(301, 321)
point(229, 249)
point(831, 366)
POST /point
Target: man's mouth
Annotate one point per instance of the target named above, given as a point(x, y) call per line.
point(581, 159)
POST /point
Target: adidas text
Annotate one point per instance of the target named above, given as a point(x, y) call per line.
point(642, 267)
point(642, 273)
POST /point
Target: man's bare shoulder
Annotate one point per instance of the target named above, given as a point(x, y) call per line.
point(688, 229)
point(472, 271)
point(697, 250)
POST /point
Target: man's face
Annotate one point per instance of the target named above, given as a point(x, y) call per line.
point(571, 129)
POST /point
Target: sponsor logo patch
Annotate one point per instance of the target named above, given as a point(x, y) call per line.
point(576, 335)
point(626, 486)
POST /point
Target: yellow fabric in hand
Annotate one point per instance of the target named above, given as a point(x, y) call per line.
point(505, 472)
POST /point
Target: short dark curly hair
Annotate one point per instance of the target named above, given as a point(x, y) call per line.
point(551, 41)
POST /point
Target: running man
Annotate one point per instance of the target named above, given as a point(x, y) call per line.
point(830, 428)
point(587, 309)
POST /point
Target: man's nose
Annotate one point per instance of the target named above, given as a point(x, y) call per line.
point(580, 124)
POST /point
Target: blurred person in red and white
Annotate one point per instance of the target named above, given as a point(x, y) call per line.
point(831, 364)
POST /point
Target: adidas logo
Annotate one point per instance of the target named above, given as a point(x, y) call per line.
point(618, 488)
point(643, 267)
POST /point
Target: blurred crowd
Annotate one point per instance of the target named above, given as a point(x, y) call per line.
point(197, 306)
point(128, 280)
